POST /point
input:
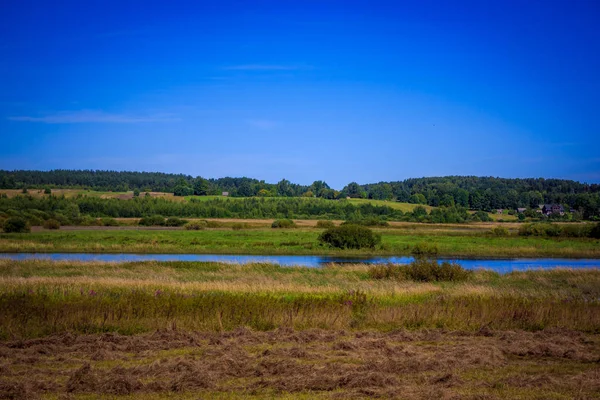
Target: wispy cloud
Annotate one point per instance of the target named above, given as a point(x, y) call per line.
point(93, 116)
point(266, 67)
point(262, 123)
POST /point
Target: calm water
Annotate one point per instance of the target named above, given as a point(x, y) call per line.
point(499, 265)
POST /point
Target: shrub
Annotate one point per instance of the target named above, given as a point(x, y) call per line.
point(195, 225)
point(481, 216)
point(174, 221)
point(595, 231)
point(540, 229)
point(16, 225)
point(499, 231)
point(350, 237)
point(424, 250)
point(577, 230)
point(109, 222)
point(213, 224)
point(51, 224)
point(283, 223)
point(34, 221)
point(421, 270)
point(154, 220)
point(324, 224)
point(88, 220)
point(47, 191)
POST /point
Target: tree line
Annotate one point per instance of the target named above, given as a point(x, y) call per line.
point(470, 192)
point(82, 210)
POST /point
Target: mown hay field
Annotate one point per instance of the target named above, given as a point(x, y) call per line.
point(210, 330)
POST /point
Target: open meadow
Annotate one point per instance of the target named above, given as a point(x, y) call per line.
point(256, 237)
point(158, 330)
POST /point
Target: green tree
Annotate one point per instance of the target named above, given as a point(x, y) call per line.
point(284, 188)
point(16, 225)
point(354, 190)
point(200, 186)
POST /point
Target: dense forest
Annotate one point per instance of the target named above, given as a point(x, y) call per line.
point(470, 192)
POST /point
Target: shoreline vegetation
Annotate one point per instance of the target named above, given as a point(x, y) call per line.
point(476, 241)
point(155, 330)
point(40, 298)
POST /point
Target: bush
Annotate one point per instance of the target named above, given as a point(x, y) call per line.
point(540, 229)
point(350, 237)
point(283, 223)
point(16, 225)
point(213, 224)
point(47, 191)
point(424, 250)
point(154, 220)
point(481, 216)
point(51, 224)
point(109, 222)
point(195, 225)
point(577, 230)
point(34, 221)
point(595, 231)
point(499, 231)
point(88, 220)
point(421, 270)
point(323, 224)
point(174, 221)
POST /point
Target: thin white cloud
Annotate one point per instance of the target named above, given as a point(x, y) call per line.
point(262, 123)
point(266, 67)
point(92, 116)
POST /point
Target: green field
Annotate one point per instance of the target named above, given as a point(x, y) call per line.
point(449, 241)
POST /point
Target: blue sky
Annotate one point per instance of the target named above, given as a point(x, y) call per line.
point(339, 91)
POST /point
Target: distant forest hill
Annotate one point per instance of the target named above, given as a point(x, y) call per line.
point(476, 193)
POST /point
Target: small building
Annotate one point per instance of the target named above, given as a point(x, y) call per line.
point(499, 211)
point(225, 194)
point(521, 210)
point(548, 209)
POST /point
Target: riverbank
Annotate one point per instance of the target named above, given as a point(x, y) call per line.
point(43, 297)
point(447, 242)
point(188, 330)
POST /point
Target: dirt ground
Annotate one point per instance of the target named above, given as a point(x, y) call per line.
point(308, 364)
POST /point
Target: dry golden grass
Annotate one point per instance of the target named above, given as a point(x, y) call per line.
point(304, 364)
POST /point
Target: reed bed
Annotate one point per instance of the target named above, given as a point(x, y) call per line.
point(39, 298)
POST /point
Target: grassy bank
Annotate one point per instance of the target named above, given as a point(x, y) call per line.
point(449, 241)
point(38, 298)
point(188, 330)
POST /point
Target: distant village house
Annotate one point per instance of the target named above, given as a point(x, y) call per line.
point(548, 209)
point(225, 194)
